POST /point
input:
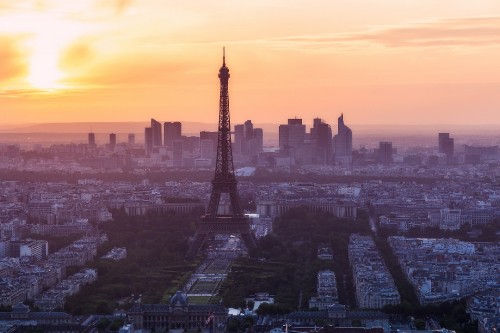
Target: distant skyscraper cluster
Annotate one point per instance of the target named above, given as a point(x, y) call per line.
point(248, 141)
point(318, 146)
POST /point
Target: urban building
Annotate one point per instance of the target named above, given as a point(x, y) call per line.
point(248, 141)
point(291, 135)
point(321, 135)
point(156, 132)
point(177, 153)
point(385, 153)
point(91, 139)
point(148, 141)
point(171, 131)
point(112, 141)
point(374, 284)
point(342, 142)
point(178, 314)
point(446, 146)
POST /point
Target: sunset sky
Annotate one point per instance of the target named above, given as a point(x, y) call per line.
point(379, 62)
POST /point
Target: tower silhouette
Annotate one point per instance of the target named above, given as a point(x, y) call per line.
point(224, 182)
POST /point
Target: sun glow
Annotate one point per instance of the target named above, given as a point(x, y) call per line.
point(45, 36)
point(43, 70)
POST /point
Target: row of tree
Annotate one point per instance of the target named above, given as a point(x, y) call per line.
point(156, 246)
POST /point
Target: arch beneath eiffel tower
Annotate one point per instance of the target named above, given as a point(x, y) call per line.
point(224, 182)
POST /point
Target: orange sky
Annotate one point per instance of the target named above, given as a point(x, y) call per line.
point(385, 61)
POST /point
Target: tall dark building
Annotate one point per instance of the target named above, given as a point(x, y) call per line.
point(171, 131)
point(446, 146)
point(224, 182)
point(321, 135)
point(343, 143)
point(248, 140)
point(292, 135)
point(385, 153)
point(209, 136)
point(148, 140)
point(239, 139)
point(441, 140)
point(248, 130)
point(156, 132)
point(91, 139)
point(112, 141)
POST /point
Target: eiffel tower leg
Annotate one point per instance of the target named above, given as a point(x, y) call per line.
point(213, 205)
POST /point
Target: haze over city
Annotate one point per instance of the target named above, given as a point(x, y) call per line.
point(379, 62)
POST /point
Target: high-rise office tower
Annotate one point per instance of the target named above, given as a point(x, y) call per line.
point(258, 138)
point(292, 135)
point(148, 140)
point(239, 139)
point(441, 140)
point(112, 141)
point(91, 139)
point(177, 153)
point(248, 130)
point(212, 136)
point(207, 149)
point(171, 131)
point(156, 132)
point(446, 146)
point(342, 143)
point(321, 136)
point(131, 139)
point(247, 139)
point(385, 152)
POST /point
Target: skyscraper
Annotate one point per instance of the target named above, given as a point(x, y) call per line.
point(112, 141)
point(292, 135)
point(343, 143)
point(446, 146)
point(171, 131)
point(248, 140)
point(156, 132)
point(148, 141)
point(239, 139)
point(177, 153)
point(385, 152)
point(321, 136)
point(91, 139)
point(248, 130)
point(441, 140)
point(212, 136)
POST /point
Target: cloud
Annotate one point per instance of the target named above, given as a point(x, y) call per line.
point(77, 54)
point(473, 31)
point(11, 64)
point(122, 5)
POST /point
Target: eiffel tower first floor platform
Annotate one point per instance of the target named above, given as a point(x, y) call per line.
point(209, 226)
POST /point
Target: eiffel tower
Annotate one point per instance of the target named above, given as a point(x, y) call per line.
point(224, 181)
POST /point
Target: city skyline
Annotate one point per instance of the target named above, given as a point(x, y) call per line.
point(385, 63)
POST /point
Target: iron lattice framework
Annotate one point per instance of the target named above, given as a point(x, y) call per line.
point(224, 182)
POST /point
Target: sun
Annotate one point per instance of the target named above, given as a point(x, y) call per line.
point(43, 70)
